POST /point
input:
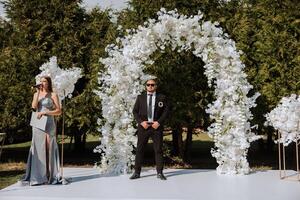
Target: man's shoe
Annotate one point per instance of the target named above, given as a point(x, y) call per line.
point(161, 176)
point(135, 176)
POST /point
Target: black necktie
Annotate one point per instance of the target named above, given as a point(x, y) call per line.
point(150, 107)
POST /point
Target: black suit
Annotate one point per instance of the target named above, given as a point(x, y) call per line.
point(161, 110)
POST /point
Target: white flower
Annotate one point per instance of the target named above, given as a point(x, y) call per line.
point(286, 119)
point(63, 81)
point(124, 66)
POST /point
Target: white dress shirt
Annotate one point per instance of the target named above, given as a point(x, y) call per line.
point(153, 104)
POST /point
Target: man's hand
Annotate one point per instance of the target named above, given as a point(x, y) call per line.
point(155, 125)
point(145, 125)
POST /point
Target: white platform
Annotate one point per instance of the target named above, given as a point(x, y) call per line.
point(181, 184)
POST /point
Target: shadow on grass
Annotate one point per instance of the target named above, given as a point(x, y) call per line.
point(10, 177)
point(19, 153)
point(11, 173)
point(199, 157)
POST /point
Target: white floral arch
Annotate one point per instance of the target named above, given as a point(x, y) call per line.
point(124, 78)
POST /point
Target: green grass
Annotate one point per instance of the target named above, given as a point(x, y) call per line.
point(14, 157)
point(10, 173)
point(10, 177)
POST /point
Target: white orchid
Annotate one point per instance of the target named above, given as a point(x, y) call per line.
point(124, 78)
point(63, 80)
point(286, 119)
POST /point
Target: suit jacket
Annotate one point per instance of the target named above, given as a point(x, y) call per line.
point(161, 109)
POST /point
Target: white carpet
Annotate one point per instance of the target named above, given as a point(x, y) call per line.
point(181, 184)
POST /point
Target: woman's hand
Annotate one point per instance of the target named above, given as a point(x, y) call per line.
point(40, 114)
point(38, 88)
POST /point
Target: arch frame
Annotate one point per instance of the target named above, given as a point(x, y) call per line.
point(123, 80)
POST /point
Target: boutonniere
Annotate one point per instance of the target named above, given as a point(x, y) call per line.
point(160, 104)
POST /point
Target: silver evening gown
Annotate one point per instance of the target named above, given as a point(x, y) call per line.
point(36, 172)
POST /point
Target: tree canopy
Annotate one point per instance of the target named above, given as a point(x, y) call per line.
point(267, 31)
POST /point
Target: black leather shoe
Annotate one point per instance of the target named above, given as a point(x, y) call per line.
point(135, 176)
point(161, 176)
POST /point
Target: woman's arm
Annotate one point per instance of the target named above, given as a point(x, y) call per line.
point(35, 100)
point(57, 110)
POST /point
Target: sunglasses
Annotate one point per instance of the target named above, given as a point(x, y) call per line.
point(148, 85)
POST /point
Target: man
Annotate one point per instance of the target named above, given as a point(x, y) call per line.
point(150, 111)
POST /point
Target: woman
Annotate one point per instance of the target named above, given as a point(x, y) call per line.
point(43, 158)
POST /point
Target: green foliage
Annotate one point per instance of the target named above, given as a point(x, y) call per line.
point(267, 31)
point(181, 77)
point(37, 30)
point(6, 30)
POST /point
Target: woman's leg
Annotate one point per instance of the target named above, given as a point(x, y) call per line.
point(47, 154)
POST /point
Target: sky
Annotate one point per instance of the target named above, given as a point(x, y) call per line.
point(89, 4)
point(116, 4)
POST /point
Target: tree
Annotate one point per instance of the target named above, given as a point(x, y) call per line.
point(268, 34)
point(42, 29)
point(180, 75)
point(266, 31)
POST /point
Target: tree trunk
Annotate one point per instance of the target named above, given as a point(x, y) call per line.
point(84, 140)
point(175, 136)
point(188, 145)
point(79, 144)
point(70, 144)
point(178, 147)
point(180, 143)
point(270, 143)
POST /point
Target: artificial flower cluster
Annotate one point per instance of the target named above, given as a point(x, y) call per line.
point(63, 80)
point(124, 78)
point(286, 119)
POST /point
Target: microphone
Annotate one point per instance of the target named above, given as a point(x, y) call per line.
point(36, 86)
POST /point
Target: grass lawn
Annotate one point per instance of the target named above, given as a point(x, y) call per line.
point(10, 173)
point(14, 157)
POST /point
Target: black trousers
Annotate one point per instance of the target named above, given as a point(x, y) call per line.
point(143, 137)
